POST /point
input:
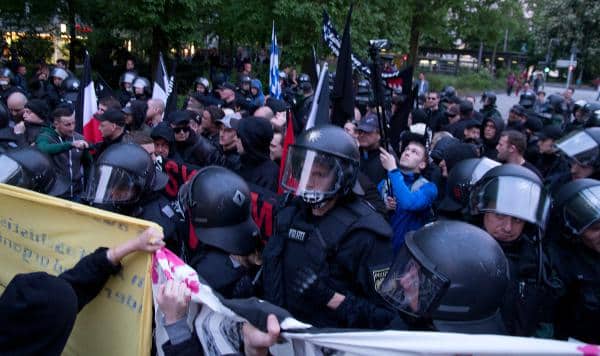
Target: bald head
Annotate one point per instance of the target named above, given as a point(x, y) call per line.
point(156, 108)
point(264, 111)
point(16, 105)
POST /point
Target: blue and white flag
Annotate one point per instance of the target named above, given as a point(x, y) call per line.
point(274, 86)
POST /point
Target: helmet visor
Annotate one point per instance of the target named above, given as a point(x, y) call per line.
point(413, 287)
point(113, 185)
point(579, 146)
point(484, 165)
point(10, 171)
point(515, 196)
point(312, 175)
point(583, 210)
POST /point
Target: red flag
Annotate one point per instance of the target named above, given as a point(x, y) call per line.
point(288, 140)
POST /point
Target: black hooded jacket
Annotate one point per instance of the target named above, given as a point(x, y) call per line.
point(257, 167)
point(38, 311)
point(489, 146)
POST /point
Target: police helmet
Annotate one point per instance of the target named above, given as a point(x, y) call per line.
point(58, 72)
point(461, 179)
point(527, 99)
point(245, 79)
point(203, 81)
point(452, 273)
point(557, 104)
point(447, 93)
point(141, 82)
point(304, 82)
point(488, 98)
point(123, 173)
point(283, 75)
point(71, 84)
point(31, 169)
point(8, 74)
point(512, 190)
point(582, 146)
point(127, 77)
point(591, 114)
point(579, 104)
point(218, 203)
point(578, 205)
point(321, 164)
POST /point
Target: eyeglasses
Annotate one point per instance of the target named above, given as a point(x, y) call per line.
point(181, 129)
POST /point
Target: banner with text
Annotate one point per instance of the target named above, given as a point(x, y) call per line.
point(42, 233)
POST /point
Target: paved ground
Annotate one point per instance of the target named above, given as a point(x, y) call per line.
point(505, 102)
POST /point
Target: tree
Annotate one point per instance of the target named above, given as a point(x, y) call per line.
point(575, 23)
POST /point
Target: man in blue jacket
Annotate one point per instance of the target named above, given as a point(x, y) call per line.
point(411, 195)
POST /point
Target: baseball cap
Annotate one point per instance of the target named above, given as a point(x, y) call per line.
point(115, 116)
point(368, 123)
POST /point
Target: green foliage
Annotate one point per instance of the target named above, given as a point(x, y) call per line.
point(33, 49)
point(466, 83)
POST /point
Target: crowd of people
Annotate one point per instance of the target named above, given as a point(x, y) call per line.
point(474, 223)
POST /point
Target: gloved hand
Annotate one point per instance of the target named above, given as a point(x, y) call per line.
point(308, 285)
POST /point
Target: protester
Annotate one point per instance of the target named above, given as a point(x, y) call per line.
point(48, 305)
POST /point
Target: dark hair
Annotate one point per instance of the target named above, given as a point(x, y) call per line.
point(141, 138)
point(110, 103)
point(216, 114)
point(61, 111)
point(517, 139)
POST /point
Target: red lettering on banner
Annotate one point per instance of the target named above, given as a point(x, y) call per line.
point(264, 219)
point(172, 169)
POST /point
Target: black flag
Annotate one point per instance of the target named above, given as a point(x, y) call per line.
point(400, 119)
point(343, 89)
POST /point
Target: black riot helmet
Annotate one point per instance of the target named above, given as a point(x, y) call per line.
point(512, 190)
point(461, 179)
point(591, 114)
point(122, 175)
point(582, 146)
point(488, 98)
point(218, 203)
point(30, 169)
point(447, 93)
point(557, 104)
point(578, 205)
point(304, 82)
point(452, 273)
point(321, 164)
point(527, 99)
point(71, 84)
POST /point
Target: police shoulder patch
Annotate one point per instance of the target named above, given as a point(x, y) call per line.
point(378, 276)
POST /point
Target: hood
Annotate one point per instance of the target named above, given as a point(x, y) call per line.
point(498, 122)
point(256, 134)
point(255, 83)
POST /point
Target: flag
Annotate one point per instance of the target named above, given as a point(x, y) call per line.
point(398, 121)
point(274, 85)
point(319, 110)
point(87, 105)
point(171, 102)
point(343, 91)
point(288, 140)
point(161, 81)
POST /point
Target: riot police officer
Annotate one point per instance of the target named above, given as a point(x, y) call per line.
point(582, 150)
point(489, 106)
point(578, 210)
point(30, 169)
point(330, 250)
point(450, 275)
point(217, 202)
point(54, 90)
point(514, 207)
point(142, 89)
point(303, 103)
point(125, 180)
point(125, 93)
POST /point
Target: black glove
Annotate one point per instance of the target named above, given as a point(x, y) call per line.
point(308, 285)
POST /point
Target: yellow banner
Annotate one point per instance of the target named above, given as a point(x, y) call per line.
point(42, 233)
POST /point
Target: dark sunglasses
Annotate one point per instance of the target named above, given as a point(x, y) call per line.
point(181, 129)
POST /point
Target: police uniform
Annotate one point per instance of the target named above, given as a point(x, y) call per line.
point(350, 247)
